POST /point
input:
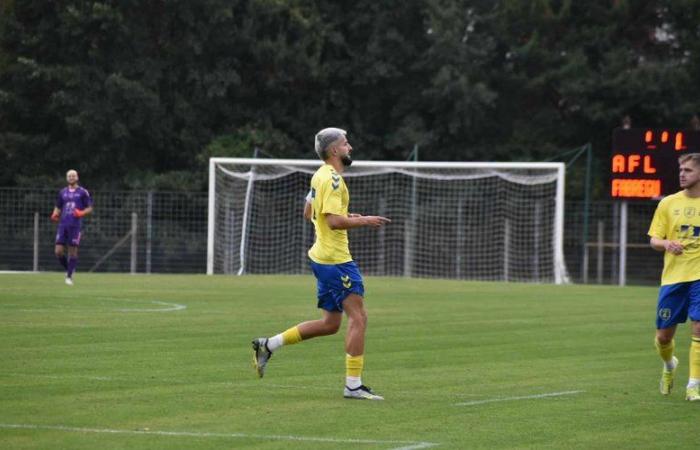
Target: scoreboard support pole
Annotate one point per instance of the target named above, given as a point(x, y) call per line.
point(623, 244)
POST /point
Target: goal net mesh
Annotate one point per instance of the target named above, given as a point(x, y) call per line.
point(478, 223)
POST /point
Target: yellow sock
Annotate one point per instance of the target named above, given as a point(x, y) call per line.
point(694, 359)
point(291, 336)
point(353, 365)
point(665, 351)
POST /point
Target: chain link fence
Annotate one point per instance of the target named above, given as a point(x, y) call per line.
point(138, 232)
point(166, 232)
point(597, 260)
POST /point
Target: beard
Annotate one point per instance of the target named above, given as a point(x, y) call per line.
point(346, 160)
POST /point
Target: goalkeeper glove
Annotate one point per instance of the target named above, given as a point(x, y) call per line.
point(55, 216)
point(78, 213)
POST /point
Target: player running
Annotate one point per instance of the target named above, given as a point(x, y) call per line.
point(339, 282)
point(72, 204)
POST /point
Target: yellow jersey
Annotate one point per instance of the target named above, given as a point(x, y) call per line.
point(329, 195)
point(677, 218)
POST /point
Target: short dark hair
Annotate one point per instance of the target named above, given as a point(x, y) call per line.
point(694, 157)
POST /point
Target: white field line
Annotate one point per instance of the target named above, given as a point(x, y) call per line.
point(524, 397)
point(168, 306)
point(406, 445)
point(18, 272)
point(172, 307)
point(56, 377)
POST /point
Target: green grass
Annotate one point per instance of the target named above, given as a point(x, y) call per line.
point(79, 364)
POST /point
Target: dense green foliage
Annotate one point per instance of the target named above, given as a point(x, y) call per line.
point(138, 93)
point(112, 363)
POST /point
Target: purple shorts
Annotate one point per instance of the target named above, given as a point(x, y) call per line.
point(68, 235)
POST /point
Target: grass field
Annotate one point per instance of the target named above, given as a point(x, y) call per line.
point(122, 361)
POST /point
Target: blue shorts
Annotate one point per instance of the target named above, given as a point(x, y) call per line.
point(68, 235)
point(677, 302)
point(335, 282)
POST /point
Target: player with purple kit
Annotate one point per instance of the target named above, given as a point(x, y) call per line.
point(72, 204)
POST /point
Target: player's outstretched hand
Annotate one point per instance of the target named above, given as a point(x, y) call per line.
point(376, 221)
point(78, 213)
point(55, 216)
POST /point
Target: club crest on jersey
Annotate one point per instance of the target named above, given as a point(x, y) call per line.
point(689, 211)
point(665, 313)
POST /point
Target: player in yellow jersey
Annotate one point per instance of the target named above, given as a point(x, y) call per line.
point(339, 282)
point(675, 230)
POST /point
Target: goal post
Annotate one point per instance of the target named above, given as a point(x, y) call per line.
point(463, 220)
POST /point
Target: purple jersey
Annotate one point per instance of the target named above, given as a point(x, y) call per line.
point(68, 200)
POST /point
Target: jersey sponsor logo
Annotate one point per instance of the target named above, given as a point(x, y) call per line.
point(665, 313)
point(688, 231)
point(347, 284)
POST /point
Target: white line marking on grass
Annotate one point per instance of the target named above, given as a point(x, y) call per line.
point(57, 377)
point(524, 397)
point(411, 445)
point(172, 307)
point(168, 306)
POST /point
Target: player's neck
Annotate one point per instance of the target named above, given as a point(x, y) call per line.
point(336, 163)
point(73, 187)
point(693, 191)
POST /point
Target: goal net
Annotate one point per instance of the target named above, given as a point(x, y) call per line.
point(477, 221)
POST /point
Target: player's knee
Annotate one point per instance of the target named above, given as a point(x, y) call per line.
point(58, 251)
point(331, 326)
point(695, 328)
point(663, 337)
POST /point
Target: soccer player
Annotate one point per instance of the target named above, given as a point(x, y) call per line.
point(339, 282)
point(72, 204)
point(675, 230)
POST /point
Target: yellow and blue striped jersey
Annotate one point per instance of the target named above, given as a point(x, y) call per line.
point(677, 218)
point(329, 196)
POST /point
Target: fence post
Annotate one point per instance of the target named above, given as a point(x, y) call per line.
point(149, 229)
point(600, 252)
point(35, 266)
point(506, 251)
point(134, 225)
point(410, 224)
point(615, 240)
point(623, 244)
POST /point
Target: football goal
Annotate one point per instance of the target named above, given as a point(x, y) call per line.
point(462, 220)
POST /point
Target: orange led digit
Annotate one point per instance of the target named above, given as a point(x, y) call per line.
point(664, 137)
point(679, 141)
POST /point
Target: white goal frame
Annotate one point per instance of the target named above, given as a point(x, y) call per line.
point(559, 270)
